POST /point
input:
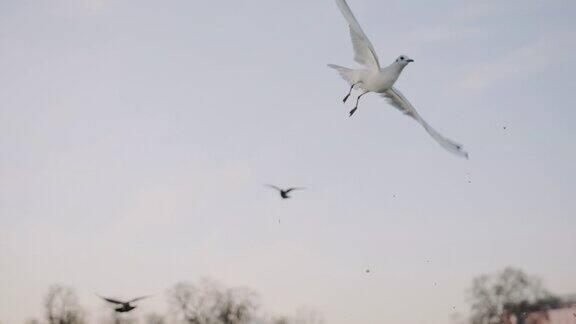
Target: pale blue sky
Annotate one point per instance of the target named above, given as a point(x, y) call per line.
point(136, 136)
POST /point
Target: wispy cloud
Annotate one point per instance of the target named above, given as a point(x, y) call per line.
point(524, 61)
point(474, 10)
point(438, 34)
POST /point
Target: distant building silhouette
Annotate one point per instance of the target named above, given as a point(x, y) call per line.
point(559, 311)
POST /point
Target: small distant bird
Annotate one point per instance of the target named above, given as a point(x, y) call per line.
point(284, 192)
point(124, 306)
point(374, 78)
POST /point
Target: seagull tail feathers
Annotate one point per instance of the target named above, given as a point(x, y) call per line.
point(346, 73)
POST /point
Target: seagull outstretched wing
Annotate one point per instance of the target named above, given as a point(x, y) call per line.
point(110, 300)
point(364, 52)
point(139, 298)
point(295, 188)
point(273, 187)
point(396, 99)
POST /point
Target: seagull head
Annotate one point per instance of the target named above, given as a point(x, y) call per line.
point(403, 60)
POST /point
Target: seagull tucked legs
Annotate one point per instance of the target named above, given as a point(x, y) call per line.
point(350, 92)
point(357, 99)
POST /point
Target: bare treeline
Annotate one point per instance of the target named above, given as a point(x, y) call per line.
point(209, 303)
point(205, 302)
point(510, 289)
point(62, 306)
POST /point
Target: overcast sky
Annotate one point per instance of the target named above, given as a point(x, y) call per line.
point(136, 137)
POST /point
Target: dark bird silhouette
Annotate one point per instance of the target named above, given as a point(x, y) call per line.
point(124, 306)
point(284, 192)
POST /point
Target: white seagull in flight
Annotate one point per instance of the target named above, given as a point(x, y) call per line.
point(381, 80)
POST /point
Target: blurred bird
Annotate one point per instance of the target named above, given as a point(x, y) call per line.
point(284, 192)
point(374, 78)
point(124, 306)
